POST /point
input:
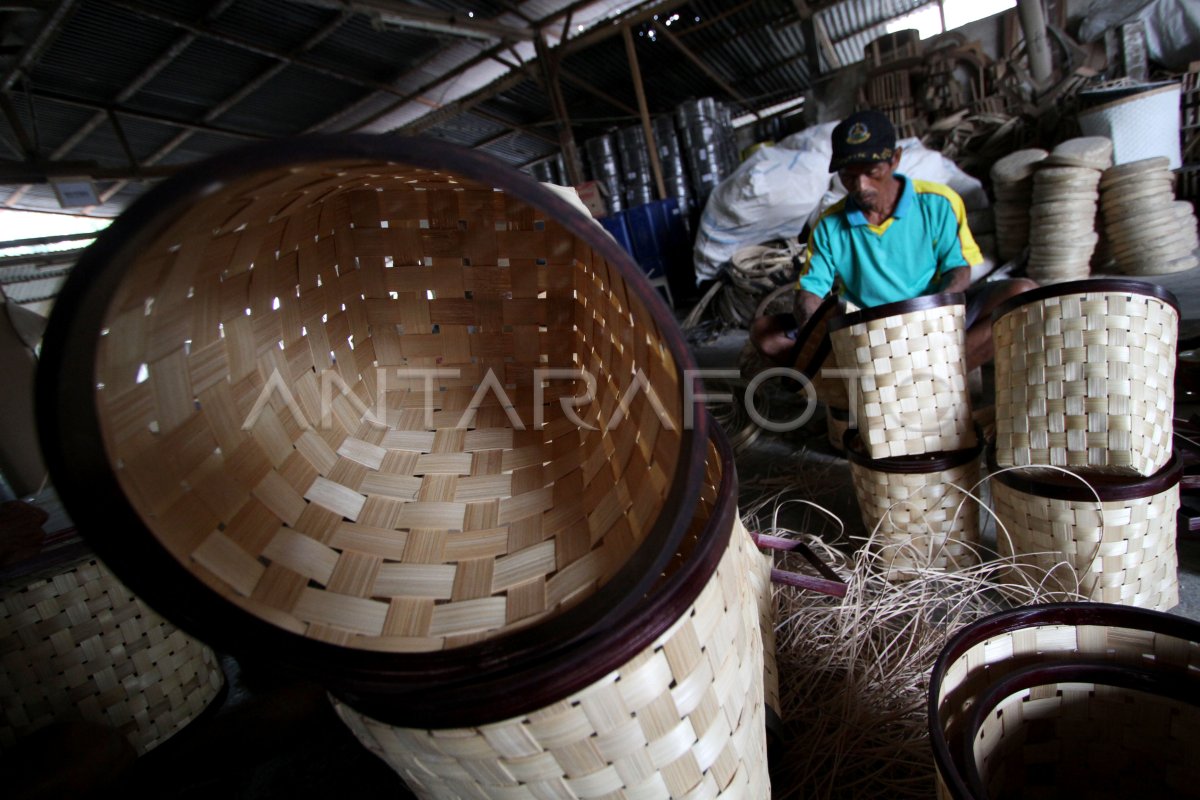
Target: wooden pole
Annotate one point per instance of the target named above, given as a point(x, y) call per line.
point(566, 136)
point(651, 145)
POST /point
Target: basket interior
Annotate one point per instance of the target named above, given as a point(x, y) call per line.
point(322, 390)
point(1023, 735)
point(1088, 740)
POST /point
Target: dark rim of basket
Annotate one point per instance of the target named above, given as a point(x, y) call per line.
point(1175, 685)
point(910, 465)
point(922, 303)
point(457, 687)
point(828, 307)
point(1076, 614)
point(1057, 486)
point(1090, 286)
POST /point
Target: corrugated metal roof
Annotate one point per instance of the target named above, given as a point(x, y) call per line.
point(105, 47)
point(853, 24)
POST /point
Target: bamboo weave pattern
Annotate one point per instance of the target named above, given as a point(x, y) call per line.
point(1086, 380)
point(1122, 552)
point(80, 643)
point(682, 719)
point(342, 508)
point(925, 520)
point(912, 395)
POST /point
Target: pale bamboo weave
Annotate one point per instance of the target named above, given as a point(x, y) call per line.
point(344, 509)
point(1086, 380)
point(1040, 739)
point(909, 381)
point(1118, 551)
point(682, 719)
point(80, 644)
point(919, 521)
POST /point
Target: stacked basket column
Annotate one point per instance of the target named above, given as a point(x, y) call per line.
point(1085, 383)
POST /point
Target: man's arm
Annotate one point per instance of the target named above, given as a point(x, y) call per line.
point(956, 280)
point(804, 306)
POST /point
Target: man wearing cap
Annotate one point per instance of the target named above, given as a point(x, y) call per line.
point(891, 238)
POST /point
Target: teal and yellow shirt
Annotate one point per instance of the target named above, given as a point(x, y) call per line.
point(902, 258)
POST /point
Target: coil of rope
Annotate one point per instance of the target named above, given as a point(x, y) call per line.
point(756, 276)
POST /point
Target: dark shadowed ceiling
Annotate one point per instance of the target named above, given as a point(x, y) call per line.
point(124, 91)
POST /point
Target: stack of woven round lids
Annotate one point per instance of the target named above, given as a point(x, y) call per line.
point(1150, 232)
point(1012, 184)
point(1062, 228)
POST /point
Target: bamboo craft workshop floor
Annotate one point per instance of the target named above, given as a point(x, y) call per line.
point(271, 735)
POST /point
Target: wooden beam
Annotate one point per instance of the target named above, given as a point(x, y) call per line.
point(831, 56)
point(79, 102)
point(122, 139)
point(33, 50)
point(703, 67)
point(566, 136)
point(644, 112)
point(454, 23)
point(592, 90)
point(42, 171)
point(714, 19)
point(14, 121)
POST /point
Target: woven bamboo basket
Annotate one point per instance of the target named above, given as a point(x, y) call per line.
point(1085, 376)
point(1068, 700)
point(76, 643)
point(918, 507)
point(381, 409)
point(1110, 539)
point(674, 707)
point(909, 380)
point(811, 356)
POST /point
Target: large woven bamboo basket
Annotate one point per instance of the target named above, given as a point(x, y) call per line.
point(919, 509)
point(1085, 376)
point(381, 409)
point(1109, 539)
point(674, 708)
point(908, 375)
point(811, 356)
point(75, 643)
point(1068, 700)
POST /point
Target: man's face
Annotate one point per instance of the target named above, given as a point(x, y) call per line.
point(866, 183)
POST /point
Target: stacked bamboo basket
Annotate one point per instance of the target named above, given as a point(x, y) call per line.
point(75, 643)
point(916, 452)
point(415, 427)
point(1067, 700)
point(1084, 407)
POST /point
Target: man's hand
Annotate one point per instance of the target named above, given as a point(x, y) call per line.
point(804, 306)
point(956, 280)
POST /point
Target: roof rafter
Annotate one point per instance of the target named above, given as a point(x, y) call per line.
point(454, 23)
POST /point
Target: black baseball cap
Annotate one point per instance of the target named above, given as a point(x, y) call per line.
point(864, 137)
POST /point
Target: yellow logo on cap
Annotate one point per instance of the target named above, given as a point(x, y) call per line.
point(858, 134)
